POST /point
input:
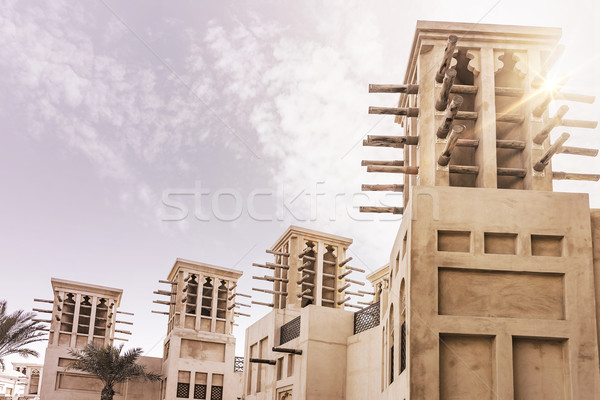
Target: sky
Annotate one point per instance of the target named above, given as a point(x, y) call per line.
point(133, 133)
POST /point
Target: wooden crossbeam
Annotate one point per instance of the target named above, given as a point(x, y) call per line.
point(408, 89)
point(449, 115)
point(463, 169)
point(552, 150)
point(260, 303)
point(518, 172)
point(393, 170)
point(575, 123)
point(557, 175)
point(392, 163)
point(447, 82)
point(444, 158)
point(404, 111)
point(510, 144)
point(382, 188)
point(392, 210)
point(278, 253)
point(286, 350)
point(447, 59)
point(395, 140)
point(551, 124)
point(580, 98)
point(579, 151)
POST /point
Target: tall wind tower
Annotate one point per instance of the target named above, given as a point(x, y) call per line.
point(492, 273)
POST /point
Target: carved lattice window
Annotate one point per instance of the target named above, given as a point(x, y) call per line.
point(207, 298)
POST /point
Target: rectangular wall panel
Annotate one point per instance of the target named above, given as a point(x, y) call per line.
point(484, 293)
point(540, 370)
point(466, 368)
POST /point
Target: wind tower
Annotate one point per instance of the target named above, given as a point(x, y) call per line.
point(199, 351)
point(80, 314)
point(492, 273)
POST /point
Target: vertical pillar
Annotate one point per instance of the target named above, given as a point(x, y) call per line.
point(75, 321)
point(318, 293)
point(504, 386)
point(92, 326)
point(427, 63)
point(482, 66)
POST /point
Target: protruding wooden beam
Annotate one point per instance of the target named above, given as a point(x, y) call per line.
point(463, 89)
point(241, 314)
point(344, 262)
point(580, 98)
point(393, 163)
point(167, 303)
point(278, 253)
point(160, 312)
point(345, 274)
point(124, 322)
point(451, 112)
point(48, 321)
point(510, 118)
point(575, 123)
point(404, 111)
point(270, 279)
point(355, 269)
point(552, 123)
point(286, 350)
point(340, 302)
point(354, 306)
point(270, 291)
point(122, 331)
point(579, 151)
point(125, 313)
point(518, 172)
point(41, 310)
point(346, 286)
point(447, 60)
point(367, 293)
point(305, 251)
point(355, 282)
point(262, 266)
point(552, 150)
point(167, 282)
point(463, 169)
point(510, 144)
point(407, 89)
point(364, 303)
point(474, 143)
point(381, 210)
point(43, 301)
point(263, 361)
point(122, 339)
point(260, 303)
point(444, 158)
point(395, 140)
point(354, 293)
point(382, 188)
point(304, 278)
point(282, 266)
point(230, 288)
point(393, 170)
point(466, 115)
point(448, 81)
point(304, 293)
point(509, 91)
point(557, 175)
point(163, 293)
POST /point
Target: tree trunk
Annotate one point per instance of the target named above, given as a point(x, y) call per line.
point(107, 393)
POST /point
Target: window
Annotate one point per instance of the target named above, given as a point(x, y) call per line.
point(216, 390)
point(183, 385)
point(403, 347)
point(279, 368)
point(200, 385)
point(290, 365)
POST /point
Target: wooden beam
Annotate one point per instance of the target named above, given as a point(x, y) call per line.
point(270, 278)
point(354, 306)
point(393, 163)
point(168, 282)
point(557, 175)
point(344, 262)
point(367, 293)
point(346, 286)
point(355, 269)
point(552, 150)
point(393, 170)
point(160, 312)
point(518, 172)
point(463, 169)
point(260, 303)
point(43, 301)
point(448, 81)
point(510, 144)
point(382, 188)
point(463, 89)
point(42, 310)
point(124, 322)
point(167, 303)
point(340, 302)
point(466, 115)
point(241, 314)
point(580, 98)
point(263, 361)
point(393, 210)
point(511, 118)
point(575, 123)
point(262, 266)
point(355, 282)
point(281, 266)
point(382, 144)
point(579, 151)
point(125, 313)
point(509, 91)
point(163, 292)
point(447, 58)
point(449, 116)
point(552, 123)
point(277, 253)
point(474, 143)
point(444, 158)
point(286, 350)
point(269, 291)
point(407, 89)
point(408, 112)
point(403, 140)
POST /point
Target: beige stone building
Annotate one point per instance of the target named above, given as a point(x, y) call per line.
point(492, 289)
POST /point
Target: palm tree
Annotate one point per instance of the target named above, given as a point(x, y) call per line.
point(17, 330)
point(110, 366)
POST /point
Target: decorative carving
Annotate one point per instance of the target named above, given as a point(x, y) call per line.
point(520, 58)
point(498, 63)
point(475, 64)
